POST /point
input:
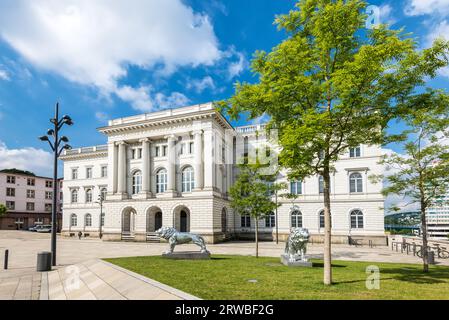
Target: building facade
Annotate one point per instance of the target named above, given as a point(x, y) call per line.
point(175, 168)
point(438, 220)
point(28, 199)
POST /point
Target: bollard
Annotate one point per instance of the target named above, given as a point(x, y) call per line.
point(6, 259)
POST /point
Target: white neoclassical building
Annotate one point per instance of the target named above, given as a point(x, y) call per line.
point(175, 168)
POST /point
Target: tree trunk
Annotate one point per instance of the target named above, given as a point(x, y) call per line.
point(327, 229)
point(424, 250)
point(257, 238)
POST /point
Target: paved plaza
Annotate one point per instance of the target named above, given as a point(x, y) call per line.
point(101, 280)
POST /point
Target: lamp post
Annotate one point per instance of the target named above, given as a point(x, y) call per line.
point(55, 146)
point(100, 201)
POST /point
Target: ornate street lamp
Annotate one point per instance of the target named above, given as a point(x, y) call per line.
point(55, 142)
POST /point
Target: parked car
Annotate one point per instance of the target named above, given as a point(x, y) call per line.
point(34, 228)
point(44, 229)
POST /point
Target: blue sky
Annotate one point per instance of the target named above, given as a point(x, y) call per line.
point(110, 58)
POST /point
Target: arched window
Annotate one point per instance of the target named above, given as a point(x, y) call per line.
point(224, 220)
point(161, 181)
point(137, 182)
point(188, 179)
point(103, 193)
point(88, 195)
point(74, 196)
point(296, 219)
point(322, 219)
point(73, 220)
point(355, 182)
point(88, 220)
point(356, 219)
point(270, 220)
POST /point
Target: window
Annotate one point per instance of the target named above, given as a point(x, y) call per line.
point(322, 219)
point(73, 220)
point(88, 173)
point(102, 219)
point(355, 152)
point(246, 221)
point(355, 182)
point(48, 207)
point(74, 196)
point(321, 184)
point(39, 221)
point(88, 220)
point(31, 181)
point(30, 206)
point(270, 188)
point(48, 184)
point(103, 193)
point(161, 181)
point(188, 179)
point(74, 174)
point(183, 148)
point(31, 194)
point(157, 151)
point(191, 147)
point(296, 187)
point(104, 171)
point(10, 192)
point(224, 220)
point(48, 195)
point(164, 151)
point(296, 217)
point(10, 205)
point(270, 220)
point(89, 196)
point(137, 153)
point(137, 182)
point(10, 179)
point(356, 219)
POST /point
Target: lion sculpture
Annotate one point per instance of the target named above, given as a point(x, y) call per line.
point(174, 238)
point(296, 246)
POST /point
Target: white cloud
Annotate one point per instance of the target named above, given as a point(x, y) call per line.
point(236, 68)
point(427, 7)
point(35, 160)
point(386, 16)
point(101, 116)
point(4, 75)
point(199, 85)
point(94, 42)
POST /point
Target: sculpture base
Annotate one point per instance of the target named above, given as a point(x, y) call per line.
point(187, 255)
point(285, 260)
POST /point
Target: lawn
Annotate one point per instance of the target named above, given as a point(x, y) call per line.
point(228, 277)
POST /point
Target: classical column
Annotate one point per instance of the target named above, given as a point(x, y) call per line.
point(112, 168)
point(121, 168)
point(146, 170)
point(198, 159)
point(171, 170)
point(209, 163)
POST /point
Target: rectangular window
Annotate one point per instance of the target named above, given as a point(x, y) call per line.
point(10, 205)
point(48, 195)
point(10, 179)
point(88, 173)
point(246, 221)
point(104, 171)
point(355, 152)
point(48, 184)
point(164, 151)
point(157, 151)
point(39, 221)
point(74, 174)
point(10, 192)
point(30, 206)
point(183, 148)
point(270, 221)
point(31, 181)
point(296, 187)
point(31, 194)
point(191, 147)
point(48, 207)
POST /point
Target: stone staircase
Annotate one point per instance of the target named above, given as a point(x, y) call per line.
point(127, 236)
point(152, 237)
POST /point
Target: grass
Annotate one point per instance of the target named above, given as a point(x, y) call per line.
point(227, 277)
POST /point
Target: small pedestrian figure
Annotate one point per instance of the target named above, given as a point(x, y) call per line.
point(80, 234)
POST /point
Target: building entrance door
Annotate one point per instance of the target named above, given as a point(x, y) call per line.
point(158, 220)
point(183, 221)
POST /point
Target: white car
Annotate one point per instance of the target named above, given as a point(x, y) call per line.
point(44, 229)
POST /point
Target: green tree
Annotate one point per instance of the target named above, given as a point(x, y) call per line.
point(252, 193)
point(3, 209)
point(421, 173)
point(331, 85)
